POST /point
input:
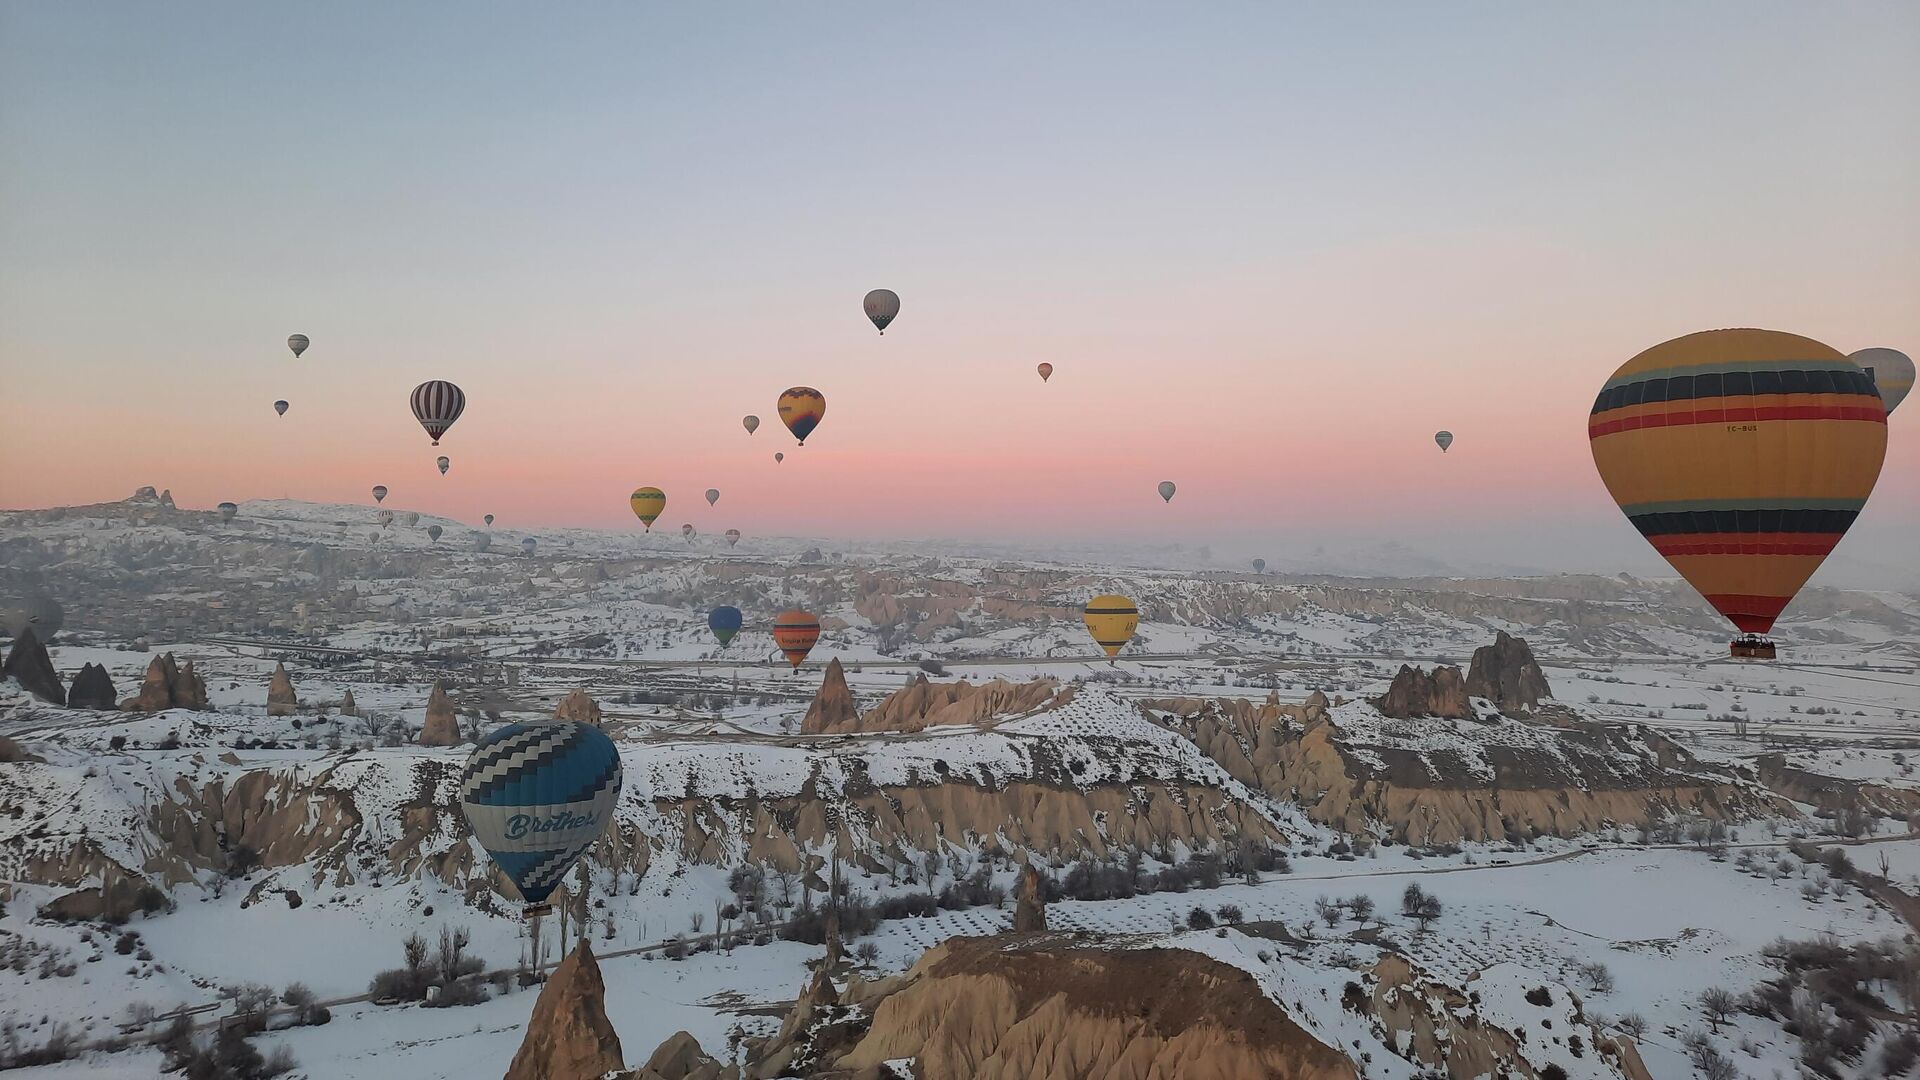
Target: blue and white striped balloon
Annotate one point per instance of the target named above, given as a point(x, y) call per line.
point(537, 796)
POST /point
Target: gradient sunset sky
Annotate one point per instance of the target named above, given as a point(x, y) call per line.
point(1268, 249)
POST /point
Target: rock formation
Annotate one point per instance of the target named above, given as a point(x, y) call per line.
point(442, 727)
point(832, 709)
point(680, 1058)
point(1030, 907)
point(281, 700)
point(1506, 674)
point(92, 689)
point(922, 704)
point(569, 1036)
point(169, 685)
point(579, 708)
point(12, 753)
point(1414, 692)
point(30, 666)
point(348, 707)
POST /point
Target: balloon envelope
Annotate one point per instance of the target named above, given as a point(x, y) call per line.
point(228, 510)
point(1742, 456)
point(687, 530)
point(778, 457)
point(1166, 490)
point(1891, 371)
point(443, 463)
point(725, 622)
point(482, 541)
point(298, 343)
point(881, 305)
point(384, 517)
point(412, 518)
point(1259, 566)
point(379, 493)
point(713, 496)
point(801, 409)
point(434, 531)
point(1111, 620)
point(733, 537)
point(647, 503)
point(1046, 372)
point(537, 796)
point(488, 519)
point(280, 407)
point(529, 544)
point(437, 404)
point(751, 423)
point(1443, 439)
point(795, 632)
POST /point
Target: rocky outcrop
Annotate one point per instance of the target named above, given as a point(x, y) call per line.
point(569, 1036)
point(832, 709)
point(169, 685)
point(921, 705)
point(1506, 674)
point(281, 700)
point(1030, 906)
point(1834, 793)
point(1414, 692)
point(348, 707)
point(92, 689)
point(680, 1058)
point(578, 708)
point(442, 727)
point(29, 665)
point(12, 752)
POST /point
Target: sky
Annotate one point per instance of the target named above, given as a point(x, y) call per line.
point(1269, 250)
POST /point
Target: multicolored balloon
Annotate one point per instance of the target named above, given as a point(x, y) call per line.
point(713, 496)
point(228, 511)
point(384, 517)
point(437, 404)
point(1046, 372)
point(733, 537)
point(412, 518)
point(724, 621)
point(379, 493)
point(647, 503)
point(881, 305)
point(1111, 620)
point(801, 409)
point(537, 796)
point(795, 632)
point(1891, 371)
point(298, 343)
point(1166, 490)
point(443, 463)
point(1742, 456)
point(280, 407)
point(1443, 439)
point(751, 423)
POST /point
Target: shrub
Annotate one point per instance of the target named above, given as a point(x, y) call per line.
point(1199, 919)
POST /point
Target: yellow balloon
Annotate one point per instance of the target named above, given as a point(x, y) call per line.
point(647, 503)
point(1111, 620)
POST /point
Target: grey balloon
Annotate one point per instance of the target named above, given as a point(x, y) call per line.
point(298, 343)
point(280, 407)
point(482, 541)
point(529, 544)
point(1166, 490)
point(433, 532)
point(1891, 371)
point(1443, 439)
point(489, 520)
point(751, 423)
point(881, 305)
point(40, 613)
point(713, 496)
point(412, 518)
point(228, 511)
point(379, 493)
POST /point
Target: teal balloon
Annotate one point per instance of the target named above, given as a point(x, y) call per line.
point(725, 622)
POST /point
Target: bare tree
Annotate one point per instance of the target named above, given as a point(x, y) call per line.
point(1719, 1005)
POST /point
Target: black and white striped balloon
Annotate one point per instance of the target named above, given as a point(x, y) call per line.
point(437, 404)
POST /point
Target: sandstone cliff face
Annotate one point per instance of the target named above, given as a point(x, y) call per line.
point(168, 685)
point(922, 704)
point(1415, 692)
point(442, 727)
point(569, 1036)
point(281, 700)
point(1834, 793)
point(1506, 674)
point(92, 689)
point(30, 666)
point(1030, 907)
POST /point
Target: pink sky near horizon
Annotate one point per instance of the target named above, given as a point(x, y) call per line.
point(1273, 304)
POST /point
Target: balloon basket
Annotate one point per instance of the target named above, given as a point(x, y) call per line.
point(536, 911)
point(1752, 647)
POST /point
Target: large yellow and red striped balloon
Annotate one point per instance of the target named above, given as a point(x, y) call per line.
point(1742, 456)
point(795, 632)
point(801, 409)
point(647, 503)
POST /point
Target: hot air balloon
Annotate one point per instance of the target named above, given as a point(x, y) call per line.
point(1443, 439)
point(228, 511)
point(751, 423)
point(379, 493)
point(1111, 620)
point(529, 544)
point(724, 621)
point(881, 306)
point(713, 496)
point(687, 530)
point(647, 502)
point(280, 407)
point(384, 517)
point(778, 457)
point(801, 409)
point(1742, 456)
point(733, 537)
point(433, 532)
point(412, 518)
point(795, 632)
point(40, 613)
point(489, 520)
point(437, 404)
point(1166, 490)
point(482, 541)
point(1259, 566)
point(537, 796)
point(1891, 371)
point(443, 463)
point(298, 343)
point(1046, 372)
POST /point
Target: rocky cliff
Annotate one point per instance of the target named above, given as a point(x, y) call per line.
point(1506, 674)
point(578, 707)
point(922, 704)
point(1415, 691)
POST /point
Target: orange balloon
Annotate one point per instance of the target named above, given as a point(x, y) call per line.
point(795, 632)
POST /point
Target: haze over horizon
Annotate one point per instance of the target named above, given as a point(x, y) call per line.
point(1268, 254)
